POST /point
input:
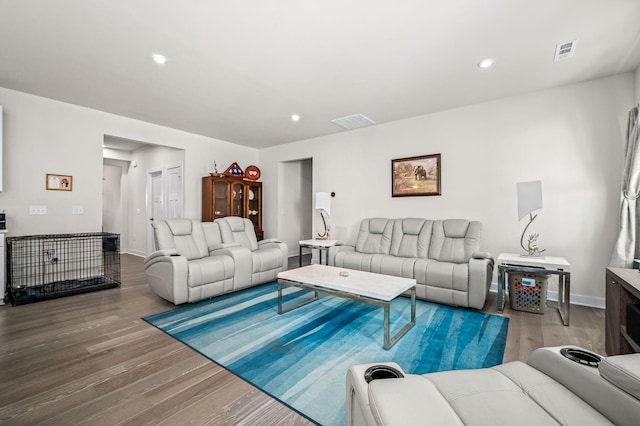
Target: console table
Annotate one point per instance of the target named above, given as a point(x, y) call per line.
point(545, 265)
point(623, 288)
point(319, 245)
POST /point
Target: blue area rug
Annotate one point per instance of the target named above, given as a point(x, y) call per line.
point(302, 356)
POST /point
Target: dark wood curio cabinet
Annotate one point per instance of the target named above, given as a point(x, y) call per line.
point(224, 196)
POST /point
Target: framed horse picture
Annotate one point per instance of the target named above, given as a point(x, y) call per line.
point(415, 176)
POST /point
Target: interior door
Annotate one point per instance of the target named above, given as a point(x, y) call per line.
point(164, 195)
point(173, 181)
point(155, 204)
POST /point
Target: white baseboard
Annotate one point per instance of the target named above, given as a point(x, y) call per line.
point(134, 253)
point(576, 299)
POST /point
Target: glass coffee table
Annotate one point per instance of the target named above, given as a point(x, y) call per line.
point(375, 289)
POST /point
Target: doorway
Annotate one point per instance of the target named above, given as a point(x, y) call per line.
point(295, 203)
point(164, 197)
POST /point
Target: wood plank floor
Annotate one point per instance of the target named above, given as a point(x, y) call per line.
point(90, 359)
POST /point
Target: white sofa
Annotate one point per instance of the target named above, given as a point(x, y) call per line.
point(197, 260)
point(442, 255)
point(547, 390)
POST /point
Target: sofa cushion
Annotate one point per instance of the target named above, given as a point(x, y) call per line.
point(411, 237)
point(393, 265)
point(210, 269)
point(454, 240)
point(514, 392)
point(623, 371)
point(374, 236)
point(266, 259)
point(354, 260)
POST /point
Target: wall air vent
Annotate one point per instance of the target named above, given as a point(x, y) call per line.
point(565, 50)
point(354, 121)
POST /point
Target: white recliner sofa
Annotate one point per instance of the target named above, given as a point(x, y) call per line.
point(192, 262)
point(442, 255)
point(549, 389)
point(265, 258)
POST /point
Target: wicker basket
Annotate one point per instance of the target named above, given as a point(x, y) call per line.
point(528, 292)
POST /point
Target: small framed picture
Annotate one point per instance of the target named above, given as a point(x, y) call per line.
point(414, 176)
point(59, 182)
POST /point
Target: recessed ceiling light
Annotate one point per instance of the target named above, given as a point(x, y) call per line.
point(486, 63)
point(295, 117)
point(159, 59)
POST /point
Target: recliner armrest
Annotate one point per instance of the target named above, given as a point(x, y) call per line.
point(482, 255)
point(408, 400)
point(160, 253)
point(268, 241)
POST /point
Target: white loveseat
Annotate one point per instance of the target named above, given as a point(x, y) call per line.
point(197, 260)
point(547, 390)
point(442, 255)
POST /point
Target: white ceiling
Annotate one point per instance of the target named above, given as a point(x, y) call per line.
point(238, 69)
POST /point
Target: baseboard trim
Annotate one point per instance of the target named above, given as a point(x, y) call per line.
point(576, 299)
point(134, 253)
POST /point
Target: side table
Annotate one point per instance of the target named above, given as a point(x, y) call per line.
point(320, 245)
point(546, 265)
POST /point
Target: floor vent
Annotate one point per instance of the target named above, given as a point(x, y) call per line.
point(565, 50)
point(354, 121)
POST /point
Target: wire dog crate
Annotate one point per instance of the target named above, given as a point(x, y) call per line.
point(42, 267)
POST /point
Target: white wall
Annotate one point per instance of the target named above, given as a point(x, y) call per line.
point(112, 200)
point(637, 84)
point(296, 203)
point(46, 136)
point(570, 137)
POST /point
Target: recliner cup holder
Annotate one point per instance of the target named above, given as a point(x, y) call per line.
point(581, 357)
point(381, 372)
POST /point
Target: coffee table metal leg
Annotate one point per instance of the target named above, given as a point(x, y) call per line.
point(282, 310)
point(388, 343)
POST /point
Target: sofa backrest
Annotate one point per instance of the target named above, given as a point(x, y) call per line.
point(212, 233)
point(184, 235)
point(238, 230)
point(411, 237)
point(375, 235)
point(454, 240)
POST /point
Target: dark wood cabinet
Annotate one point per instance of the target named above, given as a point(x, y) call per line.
point(224, 196)
point(622, 289)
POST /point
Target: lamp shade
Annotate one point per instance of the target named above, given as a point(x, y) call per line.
point(323, 202)
point(529, 197)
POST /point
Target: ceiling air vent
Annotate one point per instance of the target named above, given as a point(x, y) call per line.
point(354, 121)
point(565, 50)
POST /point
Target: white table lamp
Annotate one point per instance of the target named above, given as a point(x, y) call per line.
point(323, 204)
point(529, 200)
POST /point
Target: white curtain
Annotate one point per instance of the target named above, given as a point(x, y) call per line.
point(625, 248)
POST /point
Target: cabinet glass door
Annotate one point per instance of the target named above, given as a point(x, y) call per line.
point(237, 205)
point(255, 195)
point(221, 201)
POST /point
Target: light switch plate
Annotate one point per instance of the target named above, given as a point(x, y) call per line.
point(77, 210)
point(37, 210)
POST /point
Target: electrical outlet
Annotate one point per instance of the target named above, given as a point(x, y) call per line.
point(37, 210)
point(77, 210)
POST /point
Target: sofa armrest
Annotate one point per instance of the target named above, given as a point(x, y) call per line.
point(482, 255)
point(242, 262)
point(618, 406)
point(268, 241)
point(357, 408)
point(335, 249)
point(167, 275)
point(480, 275)
point(408, 401)
point(159, 253)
